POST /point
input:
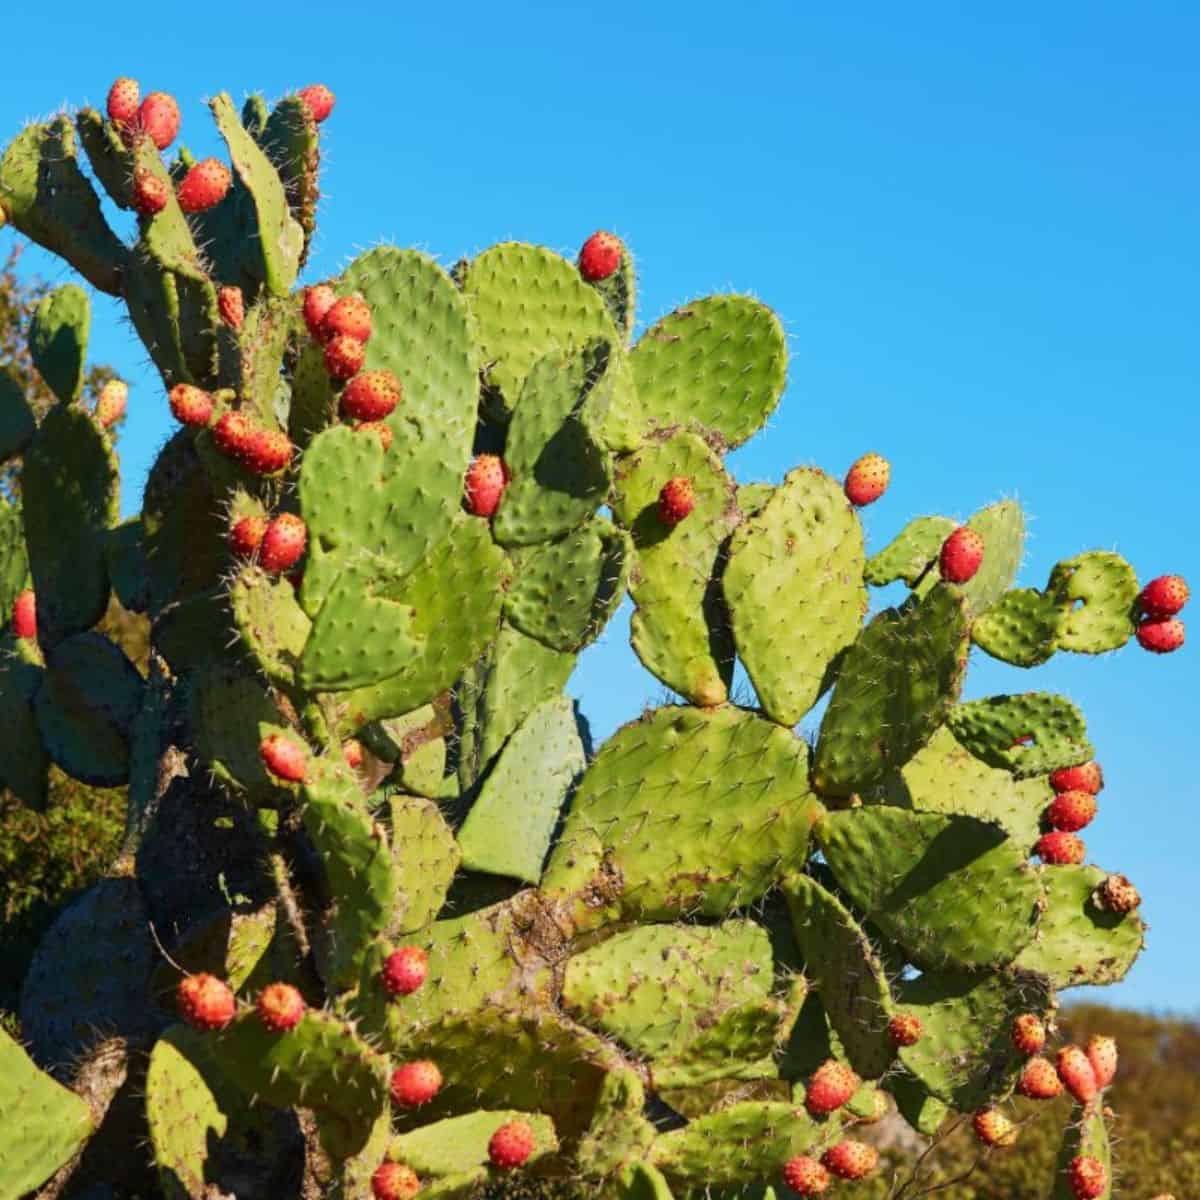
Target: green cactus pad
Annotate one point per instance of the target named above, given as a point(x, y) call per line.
point(49, 199)
point(679, 628)
point(845, 971)
point(752, 498)
point(416, 743)
point(909, 553)
point(795, 592)
point(508, 830)
point(290, 140)
point(427, 856)
point(152, 297)
point(528, 301)
point(1077, 941)
point(58, 340)
point(738, 1048)
point(166, 237)
point(1097, 591)
point(1023, 628)
point(14, 559)
point(965, 1056)
point(1002, 527)
point(719, 363)
point(1087, 1134)
point(17, 422)
point(44, 1125)
point(953, 891)
point(126, 558)
point(108, 154)
point(85, 707)
point(268, 327)
point(23, 758)
point(619, 1134)
point(271, 623)
point(923, 1111)
point(896, 685)
point(460, 1144)
point(1030, 734)
point(70, 500)
point(655, 829)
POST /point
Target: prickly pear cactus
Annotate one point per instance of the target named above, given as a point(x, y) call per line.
point(426, 935)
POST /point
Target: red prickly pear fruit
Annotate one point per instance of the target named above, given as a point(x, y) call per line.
point(204, 186)
point(850, 1160)
point(1060, 849)
point(1029, 1033)
point(961, 554)
point(191, 405)
point(232, 307)
point(284, 757)
point(24, 615)
point(112, 403)
point(1088, 1178)
point(352, 752)
point(394, 1181)
point(283, 543)
point(905, 1029)
point(1102, 1054)
point(415, 1083)
point(232, 433)
point(318, 300)
point(487, 477)
point(319, 101)
point(1160, 637)
point(830, 1086)
point(246, 536)
point(280, 1007)
point(122, 105)
point(380, 429)
point(344, 356)
point(150, 193)
point(993, 1128)
point(1164, 596)
point(600, 256)
point(1039, 1080)
point(158, 119)
point(676, 500)
point(1086, 777)
point(1076, 1073)
point(371, 396)
point(867, 479)
point(1117, 894)
point(405, 970)
point(206, 1002)
point(511, 1145)
point(350, 317)
point(1071, 811)
point(267, 451)
point(805, 1176)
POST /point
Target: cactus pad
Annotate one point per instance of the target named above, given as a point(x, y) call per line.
point(1097, 591)
point(1031, 734)
point(1023, 628)
point(58, 338)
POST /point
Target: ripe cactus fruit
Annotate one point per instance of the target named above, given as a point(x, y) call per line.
point(905, 1029)
point(158, 118)
point(318, 99)
point(850, 1160)
point(151, 194)
point(676, 500)
point(1117, 894)
point(415, 1083)
point(1160, 636)
point(993, 1128)
point(1163, 597)
point(961, 555)
point(24, 615)
point(511, 1145)
point(867, 479)
point(1086, 777)
point(394, 1181)
point(830, 1086)
point(1077, 1075)
point(283, 543)
point(122, 103)
point(1088, 1177)
point(344, 356)
point(204, 186)
point(1060, 849)
point(318, 300)
point(405, 970)
point(805, 1176)
point(232, 433)
point(267, 451)
point(191, 405)
point(1029, 1033)
point(485, 482)
point(348, 317)
point(1071, 811)
point(600, 256)
point(370, 396)
point(1039, 1080)
point(246, 535)
point(112, 402)
point(284, 757)
point(1102, 1054)
point(280, 1007)
point(206, 1002)
point(232, 307)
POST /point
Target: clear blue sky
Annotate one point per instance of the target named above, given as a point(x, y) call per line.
point(980, 229)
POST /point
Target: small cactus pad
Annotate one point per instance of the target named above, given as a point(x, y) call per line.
point(719, 363)
point(270, 622)
point(460, 1144)
point(1023, 628)
point(58, 338)
point(23, 757)
point(794, 589)
point(909, 553)
point(289, 139)
point(1031, 734)
point(1097, 591)
point(427, 856)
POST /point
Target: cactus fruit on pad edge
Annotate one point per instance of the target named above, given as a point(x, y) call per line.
point(369, 829)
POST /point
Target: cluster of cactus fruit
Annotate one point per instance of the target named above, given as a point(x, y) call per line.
point(382, 912)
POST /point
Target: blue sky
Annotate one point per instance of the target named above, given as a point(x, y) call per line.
point(979, 228)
